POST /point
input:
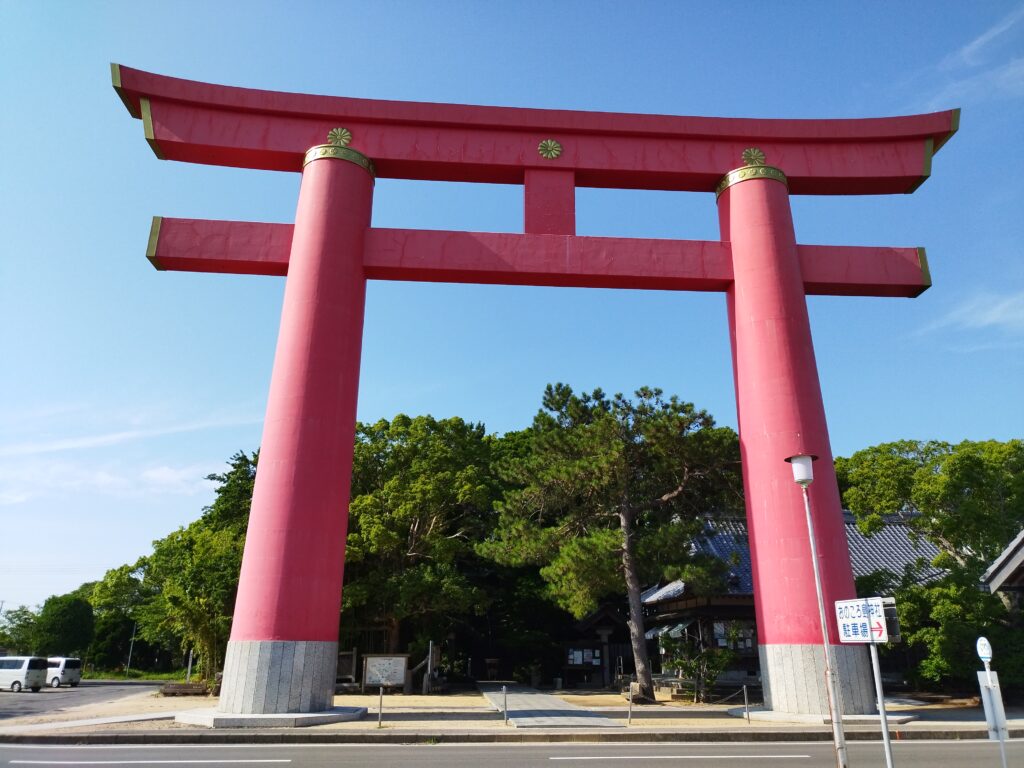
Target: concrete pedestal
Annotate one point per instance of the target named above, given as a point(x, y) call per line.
point(794, 679)
point(282, 676)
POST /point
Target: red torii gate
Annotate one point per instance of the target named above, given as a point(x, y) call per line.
point(282, 653)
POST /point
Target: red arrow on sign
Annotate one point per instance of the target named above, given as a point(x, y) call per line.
point(878, 629)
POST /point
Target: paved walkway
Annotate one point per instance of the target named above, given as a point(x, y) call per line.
point(47, 727)
point(529, 708)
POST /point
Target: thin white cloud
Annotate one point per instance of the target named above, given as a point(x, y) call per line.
point(23, 481)
point(1001, 82)
point(114, 438)
point(183, 481)
point(11, 497)
point(973, 53)
point(985, 311)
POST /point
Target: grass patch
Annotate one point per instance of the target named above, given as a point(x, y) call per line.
point(177, 675)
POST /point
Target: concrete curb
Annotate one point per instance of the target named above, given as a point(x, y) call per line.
point(486, 737)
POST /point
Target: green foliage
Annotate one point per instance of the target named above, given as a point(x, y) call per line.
point(183, 594)
point(109, 648)
point(230, 508)
point(422, 492)
point(17, 630)
point(704, 575)
point(64, 627)
point(583, 568)
point(660, 462)
point(196, 569)
point(695, 661)
point(119, 592)
point(597, 482)
point(968, 500)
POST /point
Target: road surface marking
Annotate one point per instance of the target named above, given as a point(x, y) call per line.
point(140, 762)
point(685, 757)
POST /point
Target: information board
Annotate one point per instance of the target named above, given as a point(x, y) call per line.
point(861, 620)
point(385, 670)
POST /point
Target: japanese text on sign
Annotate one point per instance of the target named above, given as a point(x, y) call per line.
point(861, 620)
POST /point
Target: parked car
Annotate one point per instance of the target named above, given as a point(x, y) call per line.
point(19, 672)
point(63, 669)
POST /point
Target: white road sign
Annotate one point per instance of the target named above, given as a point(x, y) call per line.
point(861, 620)
point(984, 649)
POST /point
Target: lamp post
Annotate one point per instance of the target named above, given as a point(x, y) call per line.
point(803, 475)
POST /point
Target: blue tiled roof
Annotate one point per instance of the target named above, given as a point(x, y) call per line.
point(893, 548)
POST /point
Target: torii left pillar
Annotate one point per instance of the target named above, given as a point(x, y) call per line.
point(283, 650)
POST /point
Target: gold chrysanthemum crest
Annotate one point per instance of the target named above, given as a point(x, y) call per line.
point(753, 156)
point(549, 149)
point(339, 137)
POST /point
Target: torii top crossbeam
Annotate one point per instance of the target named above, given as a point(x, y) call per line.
point(246, 128)
point(290, 586)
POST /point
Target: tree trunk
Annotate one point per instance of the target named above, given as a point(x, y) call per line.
point(393, 626)
point(636, 610)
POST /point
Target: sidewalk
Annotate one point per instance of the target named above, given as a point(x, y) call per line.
point(473, 717)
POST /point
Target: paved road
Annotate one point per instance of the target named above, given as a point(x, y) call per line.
point(56, 699)
point(976, 754)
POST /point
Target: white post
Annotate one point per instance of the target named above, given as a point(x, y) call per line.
point(188, 675)
point(380, 708)
point(881, 704)
point(430, 668)
point(834, 710)
point(629, 717)
point(504, 702)
point(992, 689)
point(131, 647)
point(746, 705)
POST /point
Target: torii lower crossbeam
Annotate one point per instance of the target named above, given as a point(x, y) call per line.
point(490, 258)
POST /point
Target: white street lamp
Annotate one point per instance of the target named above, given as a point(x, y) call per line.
point(803, 475)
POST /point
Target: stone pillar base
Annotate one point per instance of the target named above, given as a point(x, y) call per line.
point(263, 677)
point(793, 677)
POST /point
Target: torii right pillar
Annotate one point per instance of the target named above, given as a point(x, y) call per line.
point(781, 414)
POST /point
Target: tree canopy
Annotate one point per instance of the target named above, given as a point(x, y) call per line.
point(422, 492)
point(608, 494)
point(968, 500)
point(65, 626)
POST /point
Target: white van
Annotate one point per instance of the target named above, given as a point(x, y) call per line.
point(18, 672)
point(63, 670)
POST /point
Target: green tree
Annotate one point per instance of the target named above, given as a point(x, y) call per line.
point(64, 627)
point(194, 573)
point(116, 599)
point(968, 500)
point(421, 491)
point(120, 590)
point(697, 661)
point(17, 630)
point(187, 586)
point(609, 495)
point(230, 508)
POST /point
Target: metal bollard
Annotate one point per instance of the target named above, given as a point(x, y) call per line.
point(629, 717)
point(504, 703)
point(380, 709)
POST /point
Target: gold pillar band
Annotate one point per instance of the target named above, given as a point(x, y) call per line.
point(339, 153)
point(748, 172)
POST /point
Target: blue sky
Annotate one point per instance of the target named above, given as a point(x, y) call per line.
point(122, 387)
